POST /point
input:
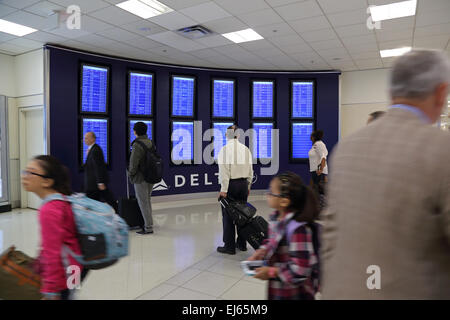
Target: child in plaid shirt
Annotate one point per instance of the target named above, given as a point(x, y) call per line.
point(291, 251)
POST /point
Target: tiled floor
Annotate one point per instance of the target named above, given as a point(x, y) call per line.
point(178, 261)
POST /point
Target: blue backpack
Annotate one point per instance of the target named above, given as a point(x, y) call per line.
point(102, 234)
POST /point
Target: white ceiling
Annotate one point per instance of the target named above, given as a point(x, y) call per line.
point(298, 34)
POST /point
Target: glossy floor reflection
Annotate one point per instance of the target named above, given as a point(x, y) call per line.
point(178, 261)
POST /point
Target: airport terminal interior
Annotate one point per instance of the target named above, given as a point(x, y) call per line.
point(282, 68)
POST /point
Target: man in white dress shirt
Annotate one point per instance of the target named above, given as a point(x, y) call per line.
point(235, 177)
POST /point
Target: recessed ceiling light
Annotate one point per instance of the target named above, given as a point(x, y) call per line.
point(14, 28)
point(394, 10)
point(394, 52)
point(144, 8)
point(243, 36)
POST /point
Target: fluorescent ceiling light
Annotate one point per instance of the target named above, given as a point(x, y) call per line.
point(394, 10)
point(144, 8)
point(243, 36)
point(394, 52)
point(14, 28)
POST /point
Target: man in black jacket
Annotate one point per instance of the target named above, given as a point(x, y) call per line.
point(95, 174)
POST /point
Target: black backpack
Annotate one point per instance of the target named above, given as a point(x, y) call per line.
point(153, 166)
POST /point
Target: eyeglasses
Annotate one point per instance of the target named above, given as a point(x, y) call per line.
point(26, 173)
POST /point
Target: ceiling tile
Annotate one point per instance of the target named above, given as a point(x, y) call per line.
point(92, 25)
point(31, 20)
point(299, 10)
point(382, 2)
point(26, 43)
point(365, 55)
point(310, 24)
point(113, 13)
point(118, 34)
point(5, 10)
point(435, 5)
point(95, 40)
point(261, 18)
point(368, 39)
point(287, 40)
point(6, 36)
point(395, 44)
point(432, 42)
point(44, 8)
point(9, 48)
point(204, 53)
point(321, 45)
point(275, 30)
point(214, 41)
point(338, 52)
point(296, 48)
point(269, 52)
point(143, 27)
point(319, 35)
point(174, 40)
point(277, 3)
point(388, 35)
point(173, 21)
point(205, 12)
point(432, 17)
point(19, 4)
point(353, 30)
point(225, 25)
point(82, 46)
point(68, 33)
point(181, 4)
point(433, 30)
point(397, 24)
point(362, 48)
point(333, 6)
point(44, 37)
point(348, 17)
point(237, 7)
point(369, 63)
point(388, 62)
point(86, 6)
point(143, 43)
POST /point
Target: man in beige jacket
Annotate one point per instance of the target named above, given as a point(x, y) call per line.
point(387, 226)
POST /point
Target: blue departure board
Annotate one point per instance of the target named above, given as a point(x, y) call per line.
point(141, 90)
point(183, 96)
point(149, 129)
point(301, 139)
point(262, 99)
point(183, 140)
point(100, 128)
point(302, 99)
point(94, 89)
point(220, 141)
point(223, 98)
point(262, 143)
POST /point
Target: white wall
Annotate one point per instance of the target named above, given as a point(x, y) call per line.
point(362, 92)
point(22, 80)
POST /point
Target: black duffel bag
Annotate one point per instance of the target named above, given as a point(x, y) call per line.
point(239, 211)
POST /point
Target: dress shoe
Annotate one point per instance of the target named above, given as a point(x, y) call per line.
point(225, 250)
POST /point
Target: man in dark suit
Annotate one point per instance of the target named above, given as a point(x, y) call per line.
point(95, 174)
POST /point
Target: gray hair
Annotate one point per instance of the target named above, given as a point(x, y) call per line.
point(417, 73)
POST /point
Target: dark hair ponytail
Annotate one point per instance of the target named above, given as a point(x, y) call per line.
point(317, 135)
point(303, 200)
point(56, 171)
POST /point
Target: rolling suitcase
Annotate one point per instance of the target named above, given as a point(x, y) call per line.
point(255, 231)
point(129, 210)
point(239, 211)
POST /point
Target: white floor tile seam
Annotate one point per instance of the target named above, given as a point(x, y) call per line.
point(176, 287)
point(205, 271)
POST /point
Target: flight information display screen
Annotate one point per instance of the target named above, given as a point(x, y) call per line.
point(262, 99)
point(183, 96)
point(94, 89)
point(131, 133)
point(302, 99)
point(100, 128)
point(301, 139)
point(220, 140)
point(262, 143)
point(140, 95)
point(182, 140)
point(223, 98)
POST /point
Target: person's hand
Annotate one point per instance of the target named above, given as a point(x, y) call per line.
point(101, 186)
point(223, 194)
point(262, 273)
point(319, 172)
point(258, 255)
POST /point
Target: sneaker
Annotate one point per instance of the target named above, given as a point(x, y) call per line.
point(144, 232)
point(225, 250)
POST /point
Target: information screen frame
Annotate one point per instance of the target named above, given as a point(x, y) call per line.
point(291, 99)
point(80, 86)
point(273, 127)
point(274, 91)
point(81, 139)
point(213, 79)
point(213, 137)
point(152, 108)
point(171, 143)
point(129, 129)
point(291, 132)
point(194, 98)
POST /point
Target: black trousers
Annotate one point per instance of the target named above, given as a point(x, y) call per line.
point(103, 195)
point(318, 183)
point(237, 190)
